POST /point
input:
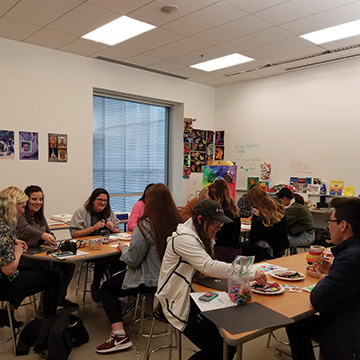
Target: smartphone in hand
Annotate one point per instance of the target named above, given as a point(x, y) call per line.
point(208, 296)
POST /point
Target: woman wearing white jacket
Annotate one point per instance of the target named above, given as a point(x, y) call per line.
point(190, 249)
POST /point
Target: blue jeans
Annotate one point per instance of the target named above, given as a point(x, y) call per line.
point(303, 239)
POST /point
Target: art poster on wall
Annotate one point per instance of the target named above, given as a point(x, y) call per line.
point(58, 148)
point(252, 180)
point(336, 187)
point(224, 172)
point(210, 147)
point(219, 145)
point(265, 169)
point(29, 145)
point(7, 144)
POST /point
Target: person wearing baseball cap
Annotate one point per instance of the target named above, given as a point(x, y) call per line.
point(190, 249)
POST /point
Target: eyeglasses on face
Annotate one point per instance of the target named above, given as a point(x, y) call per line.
point(217, 224)
point(101, 200)
point(328, 222)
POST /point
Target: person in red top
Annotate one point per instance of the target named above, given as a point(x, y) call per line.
point(138, 210)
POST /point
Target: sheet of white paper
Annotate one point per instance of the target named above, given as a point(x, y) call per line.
point(266, 267)
point(78, 253)
point(222, 301)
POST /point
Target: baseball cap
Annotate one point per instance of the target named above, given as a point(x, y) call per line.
point(211, 208)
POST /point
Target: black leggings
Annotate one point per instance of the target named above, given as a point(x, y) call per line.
point(111, 291)
point(205, 335)
point(30, 282)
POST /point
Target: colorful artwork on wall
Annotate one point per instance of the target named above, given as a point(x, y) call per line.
point(225, 172)
point(265, 171)
point(7, 144)
point(58, 148)
point(29, 145)
point(252, 180)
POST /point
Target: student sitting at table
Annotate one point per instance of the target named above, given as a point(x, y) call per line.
point(188, 210)
point(336, 295)
point(190, 249)
point(299, 220)
point(227, 245)
point(268, 235)
point(138, 210)
point(16, 284)
point(89, 220)
point(143, 259)
point(33, 228)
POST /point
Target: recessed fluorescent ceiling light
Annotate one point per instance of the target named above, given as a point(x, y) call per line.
point(222, 62)
point(118, 30)
point(333, 33)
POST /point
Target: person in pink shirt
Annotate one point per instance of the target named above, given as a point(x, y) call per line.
point(137, 210)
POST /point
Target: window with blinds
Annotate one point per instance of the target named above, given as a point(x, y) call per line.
point(130, 148)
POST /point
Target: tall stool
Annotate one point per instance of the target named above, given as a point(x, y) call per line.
point(89, 267)
point(143, 298)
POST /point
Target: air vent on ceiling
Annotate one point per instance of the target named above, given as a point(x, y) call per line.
point(299, 58)
point(141, 67)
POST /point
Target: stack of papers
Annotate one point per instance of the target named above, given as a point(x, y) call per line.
point(66, 218)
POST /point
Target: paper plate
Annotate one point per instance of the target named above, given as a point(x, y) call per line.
point(288, 275)
point(309, 269)
point(267, 289)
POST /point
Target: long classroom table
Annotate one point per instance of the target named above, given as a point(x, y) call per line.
point(106, 250)
point(293, 305)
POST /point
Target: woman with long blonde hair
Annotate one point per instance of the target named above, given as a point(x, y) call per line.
point(227, 245)
point(268, 235)
point(16, 284)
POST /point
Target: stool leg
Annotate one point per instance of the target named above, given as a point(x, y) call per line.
point(136, 306)
point(179, 344)
point(267, 345)
point(141, 325)
point(13, 335)
point(79, 277)
point(85, 282)
point(171, 342)
point(146, 354)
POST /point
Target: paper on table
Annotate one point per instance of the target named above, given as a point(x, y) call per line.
point(222, 301)
point(78, 253)
point(309, 288)
point(266, 267)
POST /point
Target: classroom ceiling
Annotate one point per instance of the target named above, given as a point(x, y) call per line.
point(200, 30)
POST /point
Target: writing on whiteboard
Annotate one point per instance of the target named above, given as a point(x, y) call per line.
point(240, 149)
point(300, 167)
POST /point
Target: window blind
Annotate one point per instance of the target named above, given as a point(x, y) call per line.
point(130, 148)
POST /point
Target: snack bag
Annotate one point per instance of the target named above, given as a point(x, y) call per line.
point(239, 282)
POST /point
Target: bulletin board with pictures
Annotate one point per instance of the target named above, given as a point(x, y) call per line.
point(58, 148)
point(201, 147)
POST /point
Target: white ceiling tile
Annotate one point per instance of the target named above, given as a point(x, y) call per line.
point(82, 20)
point(152, 14)
point(40, 12)
point(325, 19)
point(202, 55)
point(293, 10)
point(16, 30)
point(114, 52)
point(6, 5)
point(233, 30)
point(120, 7)
point(150, 40)
point(83, 47)
point(257, 39)
point(252, 6)
point(281, 47)
point(199, 21)
point(177, 48)
point(50, 38)
point(142, 60)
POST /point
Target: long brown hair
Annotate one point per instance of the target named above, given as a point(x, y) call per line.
point(270, 210)
point(201, 229)
point(162, 215)
point(220, 192)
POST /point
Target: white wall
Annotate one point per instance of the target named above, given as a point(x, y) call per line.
point(48, 91)
point(305, 123)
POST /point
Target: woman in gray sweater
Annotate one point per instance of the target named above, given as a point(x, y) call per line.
point(143, 258)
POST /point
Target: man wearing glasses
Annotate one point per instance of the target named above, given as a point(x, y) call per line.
point(337, 294)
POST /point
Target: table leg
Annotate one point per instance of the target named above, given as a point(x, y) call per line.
point(225, 350)
point(239, 351)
